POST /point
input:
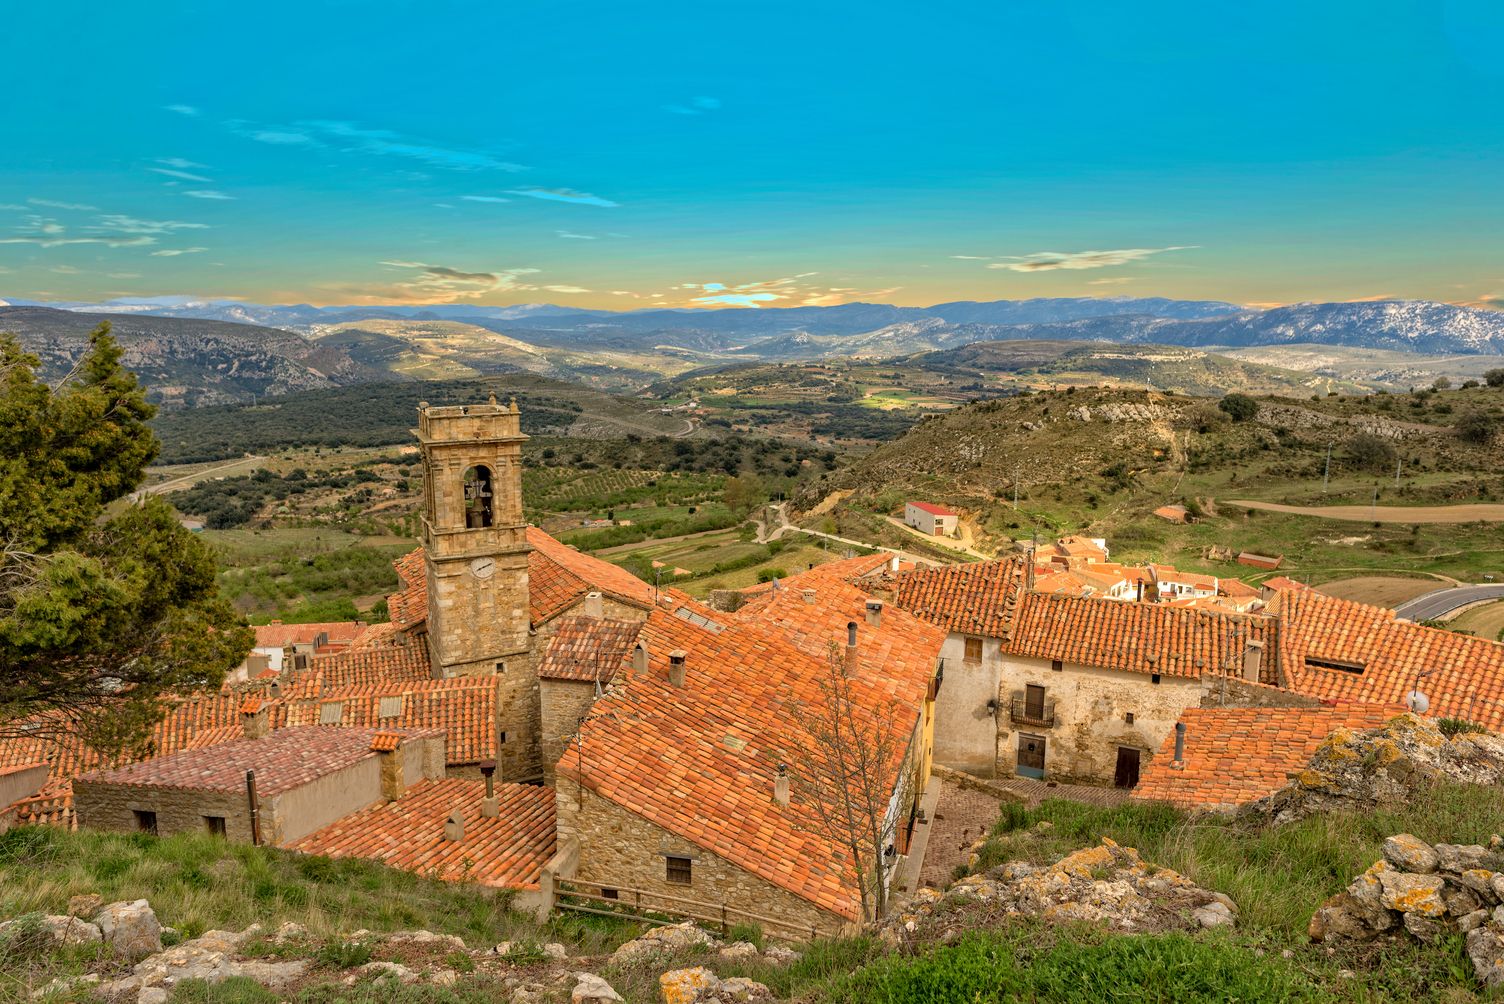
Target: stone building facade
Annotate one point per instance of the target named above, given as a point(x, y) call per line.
point(475, 539)
point(618, 847)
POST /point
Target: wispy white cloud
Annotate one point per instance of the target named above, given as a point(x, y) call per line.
point(209, 193)
point(566, 289)
point(972, 257)
point(1114, 281)
point(695, 106)
point(65, 270)
point(174, 252)
point(181, 109)
point(280, 137)
point(172, 172)
point(484, 198)
point(56, 241)
point(122, 275)
point(54, 204)
point(793, 290)
point(569, 235)
point(564, 195)
point(136, 225)
point(384, 142)
point(1048, 261)
point(181, 164)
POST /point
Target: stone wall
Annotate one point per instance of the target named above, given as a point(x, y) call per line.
point(565, 703)
point(621, 849)
point(1220, 691)
point(966, 732)
point(1091, 708)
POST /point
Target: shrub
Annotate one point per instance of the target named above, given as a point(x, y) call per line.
point(1494, 377)
point(1366, 450)
point(1239, 407)
point(344, 954)
point(1477, 428)
point(1457, 726)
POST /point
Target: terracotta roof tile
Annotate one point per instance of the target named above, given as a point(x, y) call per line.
point(1340, 650)
point(1137, 637)
point(278, 635)
point(509, 850)
point(1238, 755)
point(978, 598)
point(700, 760)
point(283, 760)
point(463, 708)
point(588, 648)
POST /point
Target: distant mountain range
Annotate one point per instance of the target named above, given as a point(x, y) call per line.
point(271, 349)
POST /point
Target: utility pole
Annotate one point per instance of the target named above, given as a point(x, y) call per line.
point(1327, 474)
point(1015, 487)
point(1373, 510)
point(1398, 462)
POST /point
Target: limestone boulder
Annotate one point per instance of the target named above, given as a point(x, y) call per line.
point(131, 929)
point(59, 929)
point(1414, 893)
point(688, 986)
point(669, 938)
point(1485, 946)
point(85, 906)
point(739, 950)
point(1410, 853)
point(1214, 914)
point(591, 989)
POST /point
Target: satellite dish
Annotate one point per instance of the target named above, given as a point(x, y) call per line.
point(1417, 702)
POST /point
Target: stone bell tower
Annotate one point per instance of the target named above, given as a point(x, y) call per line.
point(474, 537)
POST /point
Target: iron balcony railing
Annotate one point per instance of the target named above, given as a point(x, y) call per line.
point(1025, 712)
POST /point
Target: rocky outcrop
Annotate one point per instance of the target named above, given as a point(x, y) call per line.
point(669, 938)
point(1356, 771)
point(131, 929)
point(699, 985)
point(1107, 884)
point(210, 957)
point(1429, 891)
point(57, 929)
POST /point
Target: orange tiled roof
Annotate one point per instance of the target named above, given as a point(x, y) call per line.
point(279, 635)
point(408, 606)
point(977, 598)
point(1284, 582)
point(699, 760)
point(902, 650)
point(932, 509)
point(283, 760)
point(1236, 589)
point(558, 576)
point(1136, 637)
point(509, 850)
point(588, 648)
point(1238, 755)
point(463, 708)
point(1340, 650)
point(392, 665)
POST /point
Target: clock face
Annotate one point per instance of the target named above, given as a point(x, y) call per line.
point(482, 568)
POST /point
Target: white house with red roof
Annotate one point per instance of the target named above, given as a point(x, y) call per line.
point(935, 520)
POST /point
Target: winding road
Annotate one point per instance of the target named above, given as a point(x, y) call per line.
point(1441, 602)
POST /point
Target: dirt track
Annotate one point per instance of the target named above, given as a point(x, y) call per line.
point(1379, 590)
point(1473, 513)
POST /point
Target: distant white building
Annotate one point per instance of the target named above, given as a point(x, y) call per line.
point(926, 517)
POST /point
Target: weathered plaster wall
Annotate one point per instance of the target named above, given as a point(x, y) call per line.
point(1090, 705)
point(965, 729)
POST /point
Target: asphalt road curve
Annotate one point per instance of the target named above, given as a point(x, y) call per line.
point(1443, 601)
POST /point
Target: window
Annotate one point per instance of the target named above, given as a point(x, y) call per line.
point(1128, 718)
point(1154, 678)
point(1057, 666)
point(215, 825)
point(501, 667)
point(146, 821)
point(679, 871)
point(391, 707)
point(1356, 668)
point(330, 712)
point(973, 650)
point(610, 894)
point(501, 737)
point(478, 512)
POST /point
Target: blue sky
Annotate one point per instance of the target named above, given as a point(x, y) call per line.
point(762, 154)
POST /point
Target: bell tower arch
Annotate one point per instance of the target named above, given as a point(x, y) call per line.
point(474, 536)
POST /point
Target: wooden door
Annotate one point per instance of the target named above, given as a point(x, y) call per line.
point(1031, 756)
point(1126, 775)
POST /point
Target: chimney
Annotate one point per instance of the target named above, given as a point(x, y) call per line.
point(490, 807)
point(893, 564)
point(851, 666)
point(595, 605)
point(676, 667)
point(255, 718)
point(874, 613)
point(640, 658)
point(454, 826)
point(781, 786)
point(1179, 762)
point(387, 746)
point(1253, 660)
point(808, 594)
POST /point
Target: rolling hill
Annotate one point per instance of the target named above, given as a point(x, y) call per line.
point(188, 361)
